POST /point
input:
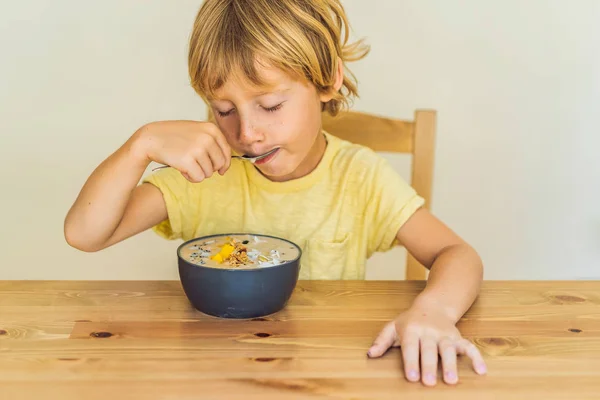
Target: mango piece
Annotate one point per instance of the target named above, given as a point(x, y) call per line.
point(223, 253)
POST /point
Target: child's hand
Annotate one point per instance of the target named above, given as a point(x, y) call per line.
point(196, 149)
point(428, 332)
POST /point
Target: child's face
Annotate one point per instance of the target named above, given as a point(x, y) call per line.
point(285, 115)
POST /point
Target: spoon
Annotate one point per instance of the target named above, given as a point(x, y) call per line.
point(244, 157)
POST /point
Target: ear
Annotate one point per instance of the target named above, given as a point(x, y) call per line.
point(337, 84)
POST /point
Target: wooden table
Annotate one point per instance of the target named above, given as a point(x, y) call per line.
point(142, 340)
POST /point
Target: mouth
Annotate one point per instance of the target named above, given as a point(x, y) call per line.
point(264, 160)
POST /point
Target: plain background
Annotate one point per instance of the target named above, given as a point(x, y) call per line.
point(516, 85)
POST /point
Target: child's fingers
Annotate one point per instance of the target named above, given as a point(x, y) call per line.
point(191, 171)
point(225, 148)
point(384, 341)
point(225, 153)
point(410, 356)
point(466, 347)
point(448, 356)
point(222, 171)
point(217, 158)
point(206, 164)
point(186, 176)
point(429, 359)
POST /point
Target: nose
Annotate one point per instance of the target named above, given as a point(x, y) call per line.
point(249, 132)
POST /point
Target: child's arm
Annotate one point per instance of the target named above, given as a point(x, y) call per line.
point(428, 328)
point(456, 270)
point(112, 207)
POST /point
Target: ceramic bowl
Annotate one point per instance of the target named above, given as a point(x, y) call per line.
point(238, 293)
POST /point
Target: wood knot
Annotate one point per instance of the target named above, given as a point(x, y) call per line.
point(264, 359)
point(497, 346)
point(68, 359)
point(82, 320)
point(262, 335)
point(495, 341)
point(271, 359)
point(101, 334)
point(3, 332)
point(299, 385)
point(575, 330)
point(565, 298)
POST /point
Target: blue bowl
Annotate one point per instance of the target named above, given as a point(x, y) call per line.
point(238, 293)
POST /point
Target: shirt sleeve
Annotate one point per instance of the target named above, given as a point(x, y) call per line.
point(390, 202)
point(178, 195)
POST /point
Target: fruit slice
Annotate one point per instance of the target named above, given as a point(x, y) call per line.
point(225, 252)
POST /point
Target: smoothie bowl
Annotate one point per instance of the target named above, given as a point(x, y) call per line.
point(239, 275)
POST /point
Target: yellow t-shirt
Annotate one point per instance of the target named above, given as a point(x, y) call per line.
point(349, 207)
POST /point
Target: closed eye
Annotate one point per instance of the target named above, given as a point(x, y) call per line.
point(274, 108)
point(225, 113)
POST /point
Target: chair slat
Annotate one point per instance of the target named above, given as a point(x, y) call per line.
point(378, 133)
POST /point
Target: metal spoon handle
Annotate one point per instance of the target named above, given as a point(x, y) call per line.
point(240, 157)
point(245, 158)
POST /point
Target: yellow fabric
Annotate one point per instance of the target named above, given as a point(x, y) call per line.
point(349, 207)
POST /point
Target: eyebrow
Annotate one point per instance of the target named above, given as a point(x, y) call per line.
point(258, 94)
point(262, 93)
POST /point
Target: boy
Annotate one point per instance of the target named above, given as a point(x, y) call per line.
point(267, 69)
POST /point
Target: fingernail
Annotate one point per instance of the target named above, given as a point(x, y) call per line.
point(481, 368)
point(451, 376)
point(430, 378)
point(413, 375)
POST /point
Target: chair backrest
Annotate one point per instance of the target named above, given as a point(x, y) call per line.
point(416, 137)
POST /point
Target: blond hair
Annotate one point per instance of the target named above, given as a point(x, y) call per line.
point(302, 37)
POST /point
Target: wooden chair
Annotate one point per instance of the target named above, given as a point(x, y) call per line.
point(416, 137)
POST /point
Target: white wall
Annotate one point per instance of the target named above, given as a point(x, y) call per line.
point(516, 85)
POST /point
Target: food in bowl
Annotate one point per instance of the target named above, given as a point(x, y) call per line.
point(239, 251)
